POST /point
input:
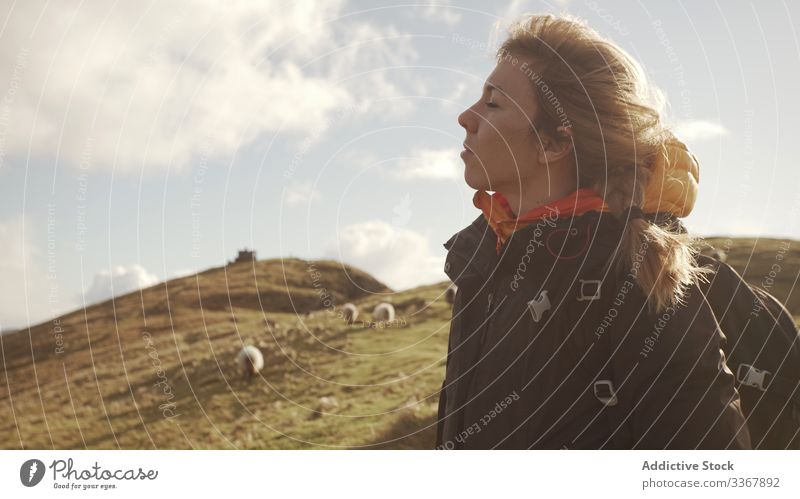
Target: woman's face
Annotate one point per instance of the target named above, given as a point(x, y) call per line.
point(501, 149)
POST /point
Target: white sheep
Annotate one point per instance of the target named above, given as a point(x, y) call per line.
point(450, 294)
point(250, 361)
point(383, 312)
point(350, 313)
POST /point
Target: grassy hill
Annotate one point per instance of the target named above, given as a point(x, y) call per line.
point(155, 369)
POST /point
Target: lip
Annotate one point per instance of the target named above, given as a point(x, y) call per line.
point(466, 150)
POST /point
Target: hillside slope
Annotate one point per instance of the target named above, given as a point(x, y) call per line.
point(156, 369)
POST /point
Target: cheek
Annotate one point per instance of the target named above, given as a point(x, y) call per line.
point(506, 133)
point(507, 152)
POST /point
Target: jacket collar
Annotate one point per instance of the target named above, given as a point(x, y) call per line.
point(471, 251)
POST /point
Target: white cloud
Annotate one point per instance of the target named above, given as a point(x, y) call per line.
point(459, 92)
point(301, 193)
point(360, 63)
point(122, 84)
point(430, 164)
point(513, 9)
point(455, 100)
point(699, 130)
point(359, 159)
point(399, 257)
point(118, 281)
point(440, 11)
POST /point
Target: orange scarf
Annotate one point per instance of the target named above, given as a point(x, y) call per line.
point(501, 218)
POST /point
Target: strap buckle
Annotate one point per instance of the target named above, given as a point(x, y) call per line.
point(605, 393)
point(751, 376)
point(589, 289)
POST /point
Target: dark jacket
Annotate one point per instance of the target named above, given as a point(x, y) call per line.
point(550, 349)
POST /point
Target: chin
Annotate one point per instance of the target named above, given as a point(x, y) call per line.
point(476, 180)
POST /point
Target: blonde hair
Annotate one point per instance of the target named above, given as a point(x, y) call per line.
point(590, 84)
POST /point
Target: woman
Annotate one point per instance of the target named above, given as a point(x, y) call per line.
point(579, 323)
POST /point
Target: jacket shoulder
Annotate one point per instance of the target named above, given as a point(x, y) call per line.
point(470, 251)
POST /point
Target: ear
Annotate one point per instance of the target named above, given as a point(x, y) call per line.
point(556, 148)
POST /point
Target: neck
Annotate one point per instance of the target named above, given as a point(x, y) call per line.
point(550, 182)
point(525, 199)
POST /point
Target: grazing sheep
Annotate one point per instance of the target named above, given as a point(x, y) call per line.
point(383, 312)
point(328, 404)
point(350, 313)
point(450, 294)
point(250, 361)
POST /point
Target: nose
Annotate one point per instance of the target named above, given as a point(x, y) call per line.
point(469, 120)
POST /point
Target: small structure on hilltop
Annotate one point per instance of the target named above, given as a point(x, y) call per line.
point(245, 255)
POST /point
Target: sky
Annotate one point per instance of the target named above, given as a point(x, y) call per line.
point(141, 141)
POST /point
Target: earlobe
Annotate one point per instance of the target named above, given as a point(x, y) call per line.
point(566, 150)
point(544, 157)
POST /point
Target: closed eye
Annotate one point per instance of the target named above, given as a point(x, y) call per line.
point(491, 104)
